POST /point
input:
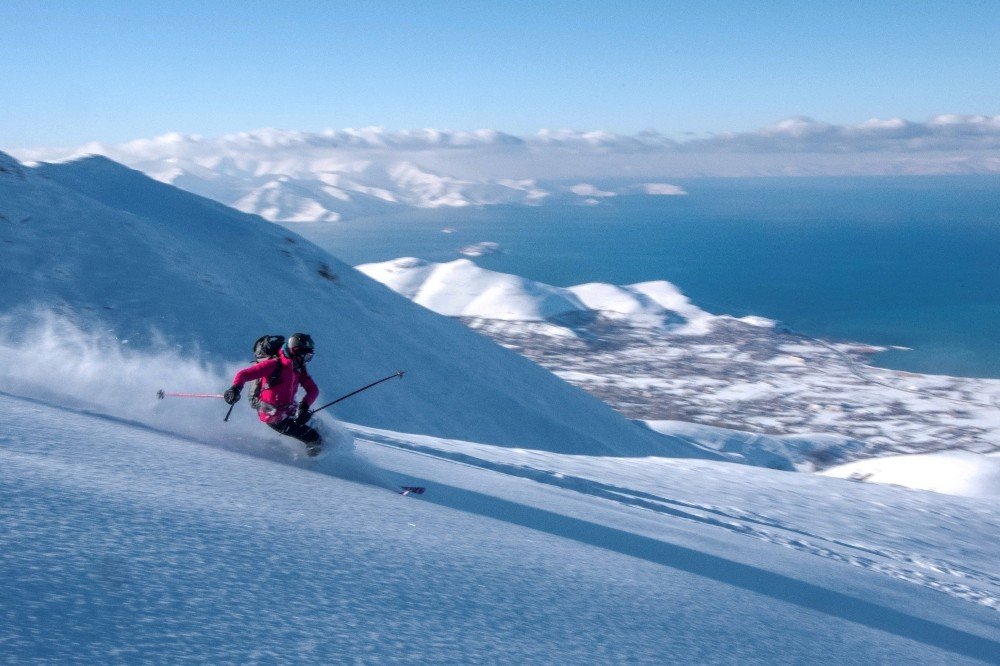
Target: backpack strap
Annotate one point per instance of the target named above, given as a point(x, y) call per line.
point(275, 378)
point(258, 385)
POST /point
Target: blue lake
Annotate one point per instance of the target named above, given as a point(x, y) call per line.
point(891, 261)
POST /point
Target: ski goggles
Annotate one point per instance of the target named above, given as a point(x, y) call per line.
point(304, 356)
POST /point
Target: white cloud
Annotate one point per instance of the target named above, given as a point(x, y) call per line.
point(894, 135)
point(663, 189)
point(588, 190)
point(373, 169)
point(793, 135)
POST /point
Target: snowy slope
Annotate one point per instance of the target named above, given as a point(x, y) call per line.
point(461, 289)
point(950, 472)
point(136, 263)
point(125, 543)
point(784, 452)
point(138, 530)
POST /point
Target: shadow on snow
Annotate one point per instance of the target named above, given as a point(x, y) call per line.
point(753, 579)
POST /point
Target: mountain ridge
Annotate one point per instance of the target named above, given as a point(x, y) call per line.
point(144, 261)
point(488, 167)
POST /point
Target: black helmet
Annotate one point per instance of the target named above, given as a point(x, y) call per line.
point(299, 346)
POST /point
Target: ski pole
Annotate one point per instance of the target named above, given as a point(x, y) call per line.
point(363, 388)
point(161, 394)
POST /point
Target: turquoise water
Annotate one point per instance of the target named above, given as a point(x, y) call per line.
point(891, 261)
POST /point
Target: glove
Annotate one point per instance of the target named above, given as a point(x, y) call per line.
point(302, 414)
point(232, 395)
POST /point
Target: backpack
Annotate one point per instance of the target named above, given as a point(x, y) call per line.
point(267, 346)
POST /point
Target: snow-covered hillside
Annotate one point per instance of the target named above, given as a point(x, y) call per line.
point(124, 542)
point(461, 289)
point(953, 472)
point(746, 388)
point(137, 264)
point(553, 530)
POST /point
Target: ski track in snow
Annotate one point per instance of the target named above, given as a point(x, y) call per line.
point(574, 515)
point(965, 582)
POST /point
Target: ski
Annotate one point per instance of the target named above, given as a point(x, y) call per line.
point(412, 490)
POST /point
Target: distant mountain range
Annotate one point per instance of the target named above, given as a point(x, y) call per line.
point(300, 177)
point(291, 176)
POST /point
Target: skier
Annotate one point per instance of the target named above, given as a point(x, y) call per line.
point(280, 379)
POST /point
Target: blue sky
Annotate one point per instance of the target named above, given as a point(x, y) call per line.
point(111, 71)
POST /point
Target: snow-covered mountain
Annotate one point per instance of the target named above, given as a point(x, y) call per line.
point(138, 530)
point(146, 265)
point(301, 177)
point(286, 175)
point(752, 391)
point(460, 288)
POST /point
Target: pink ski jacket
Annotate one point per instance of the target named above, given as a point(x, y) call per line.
point(278, 402)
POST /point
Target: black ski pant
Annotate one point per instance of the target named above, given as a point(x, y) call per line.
point(301, 432)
